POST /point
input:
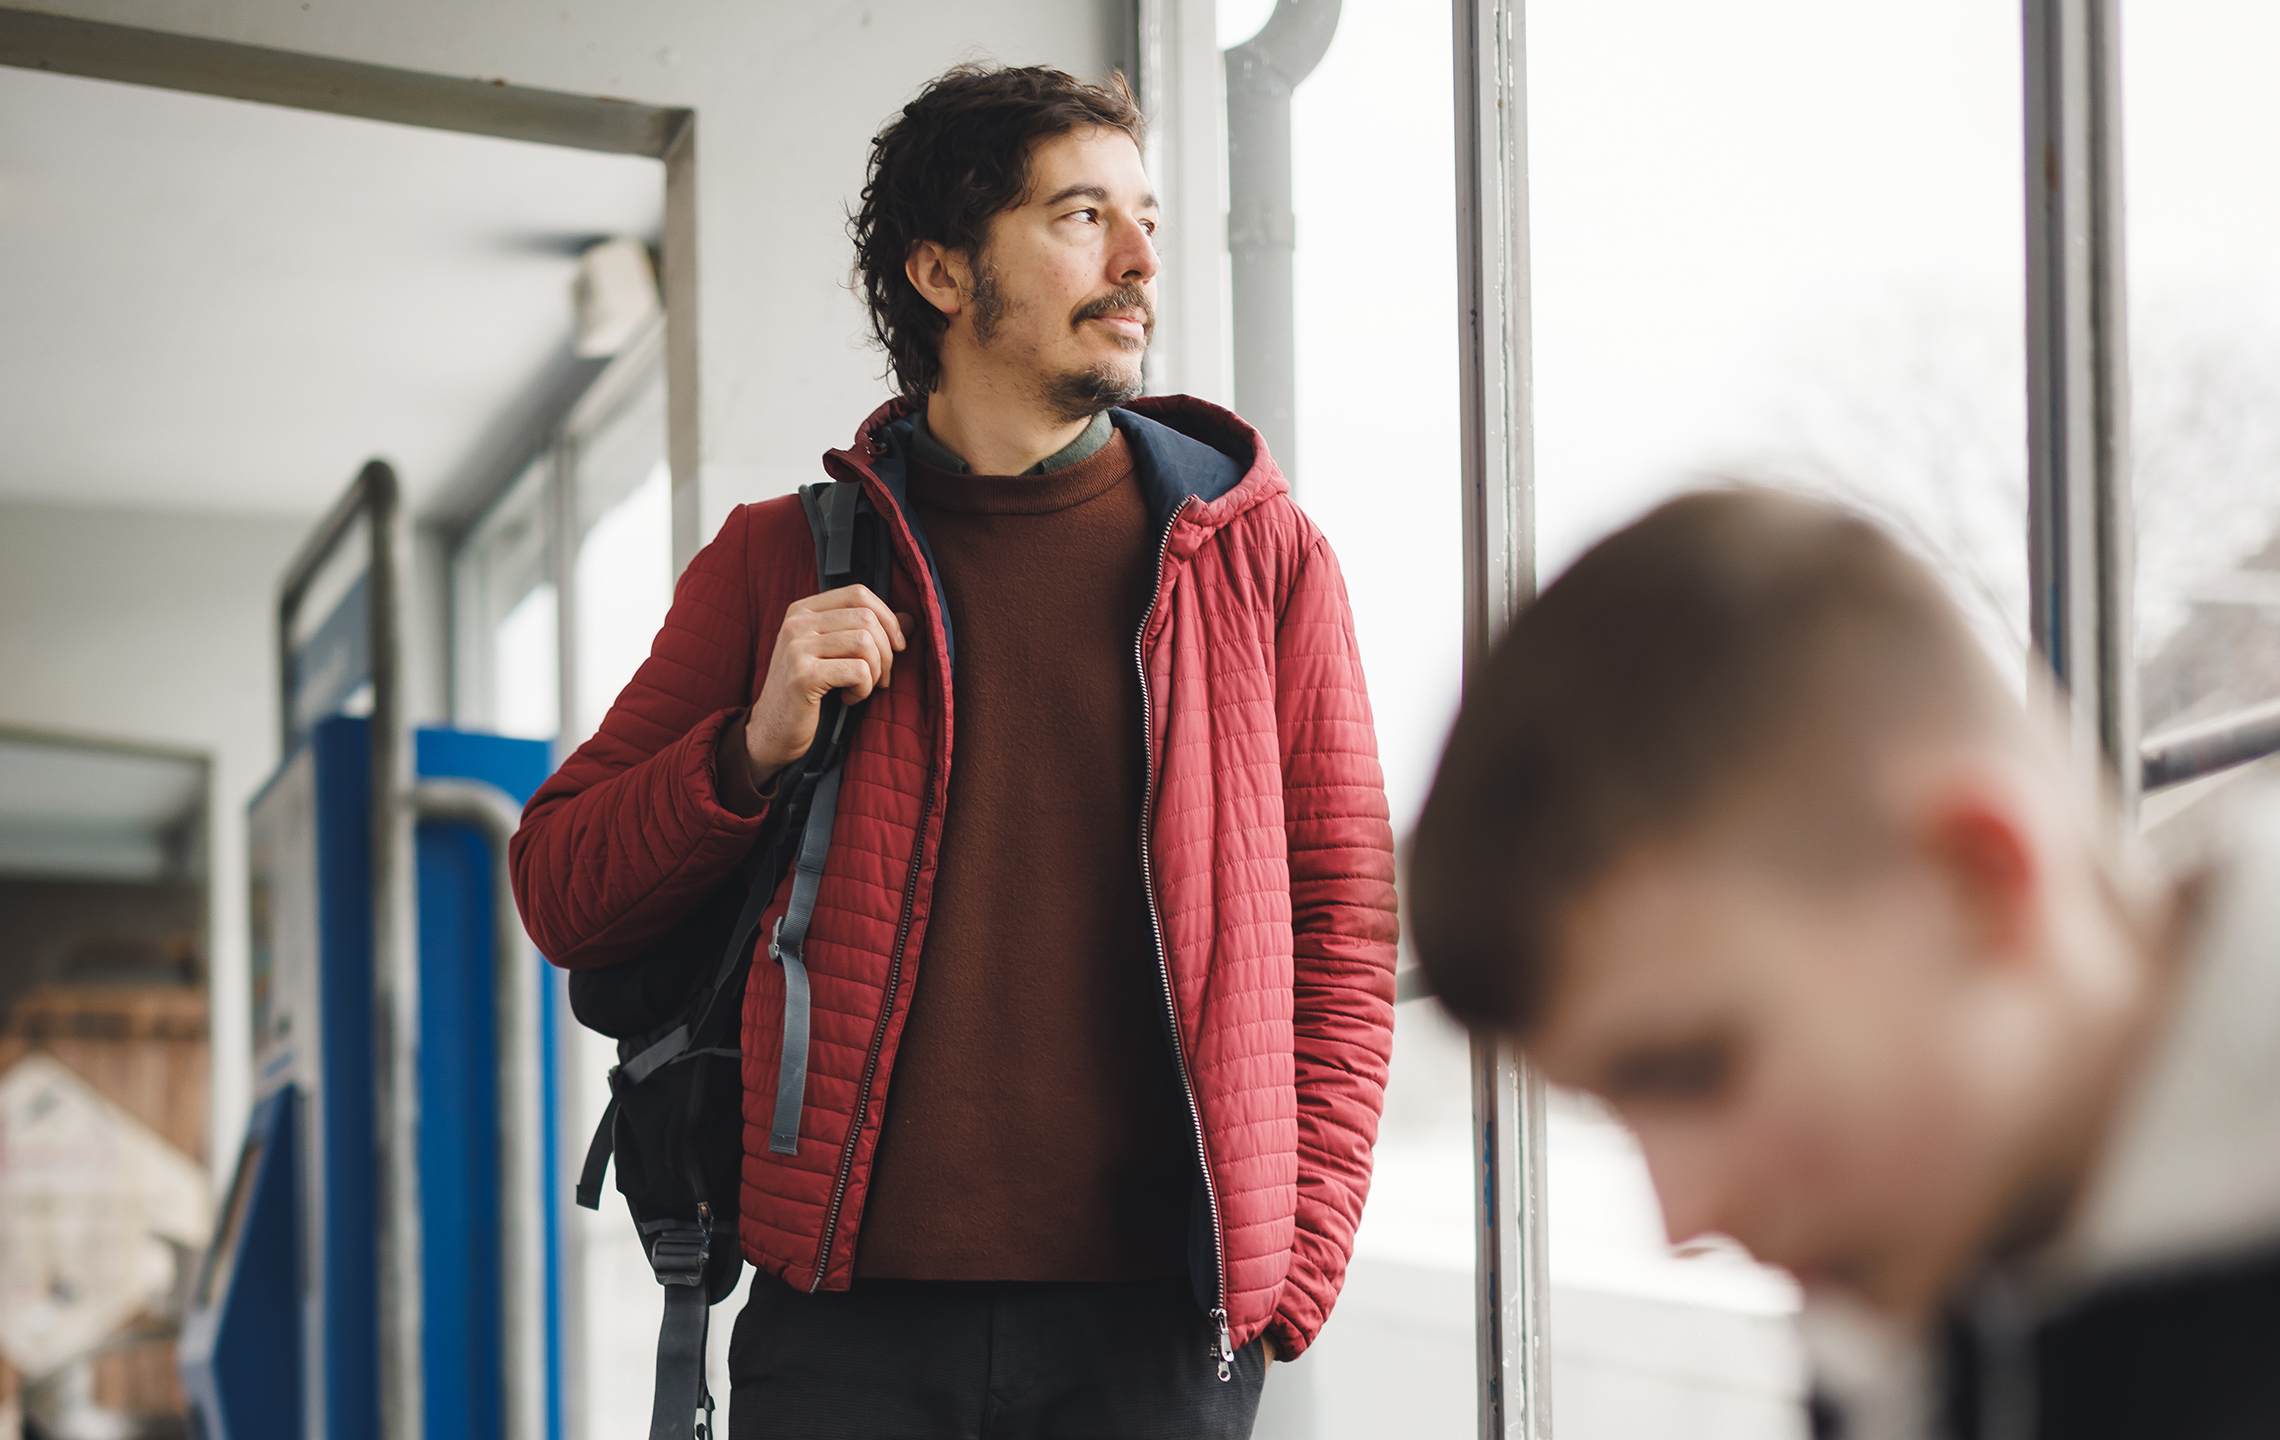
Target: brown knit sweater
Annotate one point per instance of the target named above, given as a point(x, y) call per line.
point(1033, 1127)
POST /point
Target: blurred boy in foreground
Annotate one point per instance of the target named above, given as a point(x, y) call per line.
point(1741, 831)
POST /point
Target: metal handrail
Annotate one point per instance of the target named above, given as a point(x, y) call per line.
point(2193, 751)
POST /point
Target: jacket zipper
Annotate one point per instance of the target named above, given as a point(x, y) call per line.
point(1224, 1347)
point(886, 1012)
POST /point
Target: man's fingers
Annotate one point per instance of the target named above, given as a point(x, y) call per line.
point(864, 642)
point(858, 633)
point(855, 676)
point(856, 597)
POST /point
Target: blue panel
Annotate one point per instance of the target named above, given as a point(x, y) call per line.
point(241, 1340)
point(459, 1165)
point(350, 1240)
point(461, 1207)
point(515, 766)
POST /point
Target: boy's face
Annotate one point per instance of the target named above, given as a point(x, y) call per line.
point(1835, 1073)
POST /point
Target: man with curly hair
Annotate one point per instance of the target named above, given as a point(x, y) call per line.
point(1102, 959)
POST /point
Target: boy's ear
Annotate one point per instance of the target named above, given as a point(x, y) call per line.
point(939, 274)
point(1977, 836)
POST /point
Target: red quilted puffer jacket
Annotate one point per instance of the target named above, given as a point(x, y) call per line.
point(1269, 856)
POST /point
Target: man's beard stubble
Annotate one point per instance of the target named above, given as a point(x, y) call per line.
point(1072, 395)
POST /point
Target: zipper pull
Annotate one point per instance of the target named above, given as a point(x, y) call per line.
point(1226, 1345)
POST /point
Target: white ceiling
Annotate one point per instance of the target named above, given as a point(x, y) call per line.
point(211, 304)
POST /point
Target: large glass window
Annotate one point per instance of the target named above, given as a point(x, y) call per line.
point(624, 566)
point(1782, 242)
point(1376, 466)
point(2203, 119)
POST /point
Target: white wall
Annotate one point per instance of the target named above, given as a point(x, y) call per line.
point(787, 95)
point(136, 625)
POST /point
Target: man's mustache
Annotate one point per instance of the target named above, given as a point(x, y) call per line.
point(1123, 297)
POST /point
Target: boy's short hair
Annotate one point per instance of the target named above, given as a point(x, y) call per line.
point(1734, 653)
point(957, 156)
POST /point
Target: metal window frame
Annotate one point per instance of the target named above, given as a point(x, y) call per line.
point(2080, 531)
point(1512, 1279)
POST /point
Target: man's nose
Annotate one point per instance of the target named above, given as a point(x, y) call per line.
point(1133, 256)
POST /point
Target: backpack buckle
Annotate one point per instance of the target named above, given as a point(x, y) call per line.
point(679, 1250)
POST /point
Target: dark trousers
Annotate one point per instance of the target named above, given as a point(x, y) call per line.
point(984, 1360)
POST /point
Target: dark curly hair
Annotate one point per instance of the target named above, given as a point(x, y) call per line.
point(955, 157)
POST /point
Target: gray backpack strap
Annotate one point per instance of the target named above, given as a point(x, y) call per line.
point(831, 511)
point(786, 947)
point(678, 1250)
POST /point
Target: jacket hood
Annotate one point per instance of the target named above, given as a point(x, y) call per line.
point(1195, 462)
point(1185, 450)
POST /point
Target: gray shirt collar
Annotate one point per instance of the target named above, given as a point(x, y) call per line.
point(933, 452)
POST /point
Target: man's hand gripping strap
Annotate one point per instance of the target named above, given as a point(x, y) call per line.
point(831, 511)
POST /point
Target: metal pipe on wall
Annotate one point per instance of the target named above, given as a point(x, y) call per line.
point(1262, 233)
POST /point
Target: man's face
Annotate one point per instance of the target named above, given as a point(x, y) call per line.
point(1823, 1070)
point(1063, 297)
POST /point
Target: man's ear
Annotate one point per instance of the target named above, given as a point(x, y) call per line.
point(940, 274)
point(1978, 836)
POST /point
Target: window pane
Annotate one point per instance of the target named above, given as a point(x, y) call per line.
point(505, 639)
point(526, 688)
point(2203, 122)
point(1374, 167)
point(625, 546)
point(1783, 241)
point(1778, 241)
point(625, 585)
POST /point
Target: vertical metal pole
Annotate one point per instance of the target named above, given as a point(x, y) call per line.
point(684, 413)
point(2079, 524)
point(396, 977)
point(1262, 233)
point(562, 556)
point(1511, 1276)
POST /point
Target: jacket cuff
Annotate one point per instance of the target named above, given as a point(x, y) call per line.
point(732, 773)
point(1285, 1337)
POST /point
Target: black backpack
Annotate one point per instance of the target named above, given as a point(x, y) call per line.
point(675, 1117)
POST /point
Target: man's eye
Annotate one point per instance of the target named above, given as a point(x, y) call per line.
point(1087, 215)
point(1149, 226)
